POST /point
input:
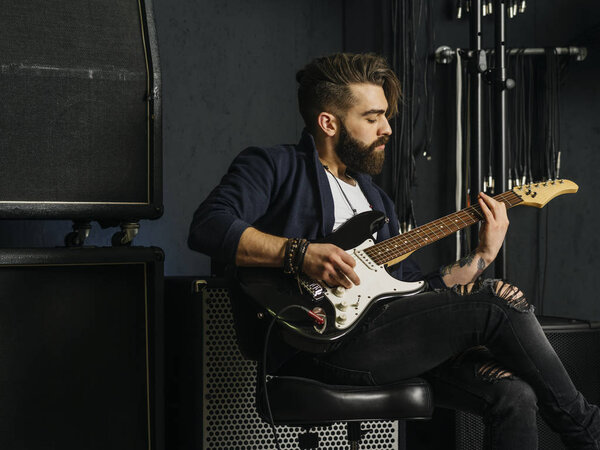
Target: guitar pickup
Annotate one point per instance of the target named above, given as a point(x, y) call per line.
point(313, 288)
point(360, 254)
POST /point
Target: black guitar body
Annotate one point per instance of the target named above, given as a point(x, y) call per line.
point(273, 290)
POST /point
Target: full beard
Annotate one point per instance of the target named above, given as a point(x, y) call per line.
point(359, 157)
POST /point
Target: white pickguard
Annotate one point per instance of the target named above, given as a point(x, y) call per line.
point(374, 282)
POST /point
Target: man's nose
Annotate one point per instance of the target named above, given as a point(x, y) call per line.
point(385, 128)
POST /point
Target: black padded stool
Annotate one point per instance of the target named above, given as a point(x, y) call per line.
point(303, 402)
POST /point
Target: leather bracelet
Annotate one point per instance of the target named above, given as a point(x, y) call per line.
point(301, 253)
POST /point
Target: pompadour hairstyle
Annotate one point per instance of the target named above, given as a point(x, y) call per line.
point(324, 84)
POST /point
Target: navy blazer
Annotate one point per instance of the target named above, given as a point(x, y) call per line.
point(284, 191)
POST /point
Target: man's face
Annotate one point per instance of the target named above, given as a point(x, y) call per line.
point(364, 131)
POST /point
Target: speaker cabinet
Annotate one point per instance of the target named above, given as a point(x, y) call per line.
point(577, 344)
point(211, 386)
point(80, 116)
point(80, 349)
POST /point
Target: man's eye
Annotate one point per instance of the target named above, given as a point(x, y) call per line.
point(371, 120)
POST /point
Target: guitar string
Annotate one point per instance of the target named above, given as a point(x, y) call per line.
point(472, 215)
point(414, 240)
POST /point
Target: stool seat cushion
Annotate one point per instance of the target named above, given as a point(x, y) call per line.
point(297, 401)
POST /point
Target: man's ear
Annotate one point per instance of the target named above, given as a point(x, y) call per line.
point(328, 123)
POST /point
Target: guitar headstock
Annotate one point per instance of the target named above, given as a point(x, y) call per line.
point(538, 194)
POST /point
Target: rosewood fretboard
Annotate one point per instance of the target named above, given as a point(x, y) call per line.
point(392, 250)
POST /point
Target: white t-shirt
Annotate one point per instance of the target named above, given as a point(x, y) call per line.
point(342, 210)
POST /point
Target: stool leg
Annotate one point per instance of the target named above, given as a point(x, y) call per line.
point(354, 434)
point(402, 435)
point(308, 440)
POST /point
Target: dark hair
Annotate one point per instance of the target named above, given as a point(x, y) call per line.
point(324, 84)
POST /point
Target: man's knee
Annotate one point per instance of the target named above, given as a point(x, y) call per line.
point(511, 294)
point(514, 397)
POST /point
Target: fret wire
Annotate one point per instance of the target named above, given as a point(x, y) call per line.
point(432, 228)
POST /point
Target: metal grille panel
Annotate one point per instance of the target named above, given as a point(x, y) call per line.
point(230, 420)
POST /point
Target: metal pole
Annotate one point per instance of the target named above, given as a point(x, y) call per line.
point(445, 55)
point(477, 67)
point(500, 117)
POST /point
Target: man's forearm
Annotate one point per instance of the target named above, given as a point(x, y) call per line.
point(465, 270)
point(260, 249)
point(321, 262)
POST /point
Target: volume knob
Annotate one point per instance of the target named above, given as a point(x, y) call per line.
point(339, 291)
point(341, 319)
point(342, 306)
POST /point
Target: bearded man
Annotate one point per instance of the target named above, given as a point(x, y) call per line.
point(476, 341)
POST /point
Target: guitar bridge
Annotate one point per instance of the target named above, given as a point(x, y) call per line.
point(313, 288)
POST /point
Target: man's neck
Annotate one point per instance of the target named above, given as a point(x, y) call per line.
point(330, 159)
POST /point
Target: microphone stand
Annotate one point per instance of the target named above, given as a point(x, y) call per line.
point(500, 85)
point(478, 70)
point(477, 67)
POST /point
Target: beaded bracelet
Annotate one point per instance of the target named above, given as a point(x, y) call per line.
point(289, 257)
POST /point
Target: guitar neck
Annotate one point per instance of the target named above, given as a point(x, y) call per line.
point(393, 250)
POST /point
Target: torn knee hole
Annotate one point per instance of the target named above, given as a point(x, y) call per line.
point(464, 289)
point(513, 296)
point(493, 371)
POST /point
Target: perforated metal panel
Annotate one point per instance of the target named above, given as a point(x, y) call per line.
point(230, 420)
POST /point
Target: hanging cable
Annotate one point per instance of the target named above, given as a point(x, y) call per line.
point(458, 190)
point(413, 128)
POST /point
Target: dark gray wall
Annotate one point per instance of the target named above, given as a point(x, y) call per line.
point(571, 240)
point(228, 82)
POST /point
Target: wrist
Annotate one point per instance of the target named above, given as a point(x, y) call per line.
point(293, 257)
point(487, 256)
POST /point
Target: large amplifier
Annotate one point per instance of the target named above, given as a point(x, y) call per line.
point(81, 349)
point(80, 116)
point(211, 387)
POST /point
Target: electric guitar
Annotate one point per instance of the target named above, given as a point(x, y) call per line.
point(331, 313)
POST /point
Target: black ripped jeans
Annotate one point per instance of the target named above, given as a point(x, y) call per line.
point(450, 337)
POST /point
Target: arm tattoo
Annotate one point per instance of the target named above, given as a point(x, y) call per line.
point(466, 260)
point(462, 262)
point(480, 267)
point(481, 264)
